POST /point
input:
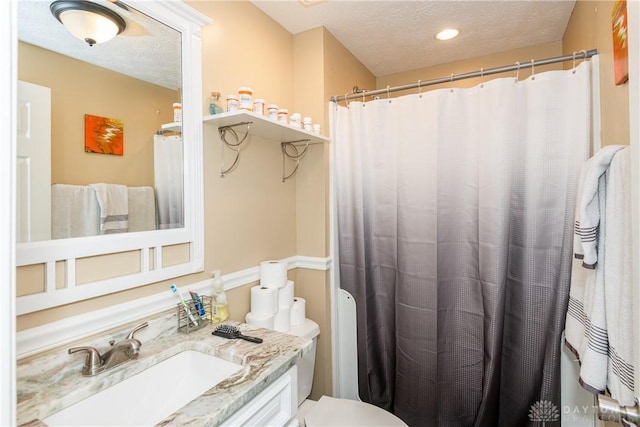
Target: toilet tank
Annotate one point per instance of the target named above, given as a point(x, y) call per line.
point(310, 330)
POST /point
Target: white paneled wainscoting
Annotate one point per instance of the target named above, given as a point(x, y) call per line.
point(45, 337)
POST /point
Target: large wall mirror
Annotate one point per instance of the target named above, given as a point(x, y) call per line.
point(103, 165)
point(90, 114)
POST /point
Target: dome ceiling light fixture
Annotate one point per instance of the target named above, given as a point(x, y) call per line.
point(88, 21)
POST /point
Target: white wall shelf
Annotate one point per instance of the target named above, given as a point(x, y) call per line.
point(240, 124)
point(174, 126)
point(263, 127)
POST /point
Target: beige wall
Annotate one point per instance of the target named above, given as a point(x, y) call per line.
point(321, 67)
point(311, 191)
point(79, 88)
point(590, 27)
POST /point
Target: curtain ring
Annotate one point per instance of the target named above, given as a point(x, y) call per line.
point(388, 96)
point(584, 58)
point(574, 60)
point(451, 83)
point(533, 70)
point(419, 88)
point(346, 103)
point(363, 100)
point(517, 72)
point(482, 77)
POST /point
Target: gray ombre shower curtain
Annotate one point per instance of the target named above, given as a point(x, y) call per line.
point(455, 217)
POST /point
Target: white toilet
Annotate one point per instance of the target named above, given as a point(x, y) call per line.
point(329, 411)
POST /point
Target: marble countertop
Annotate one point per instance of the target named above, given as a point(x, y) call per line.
point(51, 381)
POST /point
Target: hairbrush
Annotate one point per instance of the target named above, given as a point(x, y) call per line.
point(232, 332)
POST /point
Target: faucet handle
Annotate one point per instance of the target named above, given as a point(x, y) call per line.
point(92, 363)
point(136, 329)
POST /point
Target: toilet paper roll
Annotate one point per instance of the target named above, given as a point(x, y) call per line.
point(298, 311)
point(260, 320)
point(285, 295)
point(273, 274)
point(282, 321)
point(264, 300)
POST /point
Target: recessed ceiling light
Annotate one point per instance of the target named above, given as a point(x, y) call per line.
point(447, 34)
point(307, 3)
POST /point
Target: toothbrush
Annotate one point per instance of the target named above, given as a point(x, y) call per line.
point(184, 304)
point(198, 304)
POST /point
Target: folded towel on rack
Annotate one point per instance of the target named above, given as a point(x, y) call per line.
point(114, 207)
point(618, 284)
point(74, 211)
point(142, 209)
point(589, 316)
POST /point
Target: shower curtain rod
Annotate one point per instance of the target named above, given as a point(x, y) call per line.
point(515, 67)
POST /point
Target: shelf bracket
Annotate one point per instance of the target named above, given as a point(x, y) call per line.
point(234, 145)
point(291, 150)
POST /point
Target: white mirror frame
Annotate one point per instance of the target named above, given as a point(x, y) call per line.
point(188, 22)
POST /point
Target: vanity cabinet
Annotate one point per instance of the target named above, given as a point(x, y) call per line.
point(274, 406)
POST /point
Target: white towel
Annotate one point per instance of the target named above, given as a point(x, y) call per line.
point(74, 211)
point(114, 207)
point(618, 281)
point(589, 318)
point(585, 326)
point(142, 209)
point(590, 204)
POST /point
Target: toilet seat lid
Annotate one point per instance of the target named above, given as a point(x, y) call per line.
point(329, 411)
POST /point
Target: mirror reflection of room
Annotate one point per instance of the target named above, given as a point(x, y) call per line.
point(93, 155)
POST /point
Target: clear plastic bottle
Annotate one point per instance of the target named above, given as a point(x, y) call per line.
point(214, 104)
point(220, 307)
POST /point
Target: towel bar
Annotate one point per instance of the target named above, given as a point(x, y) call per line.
point(609, 410)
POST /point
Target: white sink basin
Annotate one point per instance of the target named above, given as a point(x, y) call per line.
point(149, 396)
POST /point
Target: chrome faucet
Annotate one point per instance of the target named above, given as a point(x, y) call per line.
point(120, 352)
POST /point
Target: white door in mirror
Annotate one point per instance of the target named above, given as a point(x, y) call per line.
point(166, 386)
point(33, 167)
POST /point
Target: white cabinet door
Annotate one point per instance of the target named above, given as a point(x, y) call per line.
point(274, 406)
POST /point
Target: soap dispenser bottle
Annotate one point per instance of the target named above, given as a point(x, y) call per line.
point(220, 307)
point(214, 104)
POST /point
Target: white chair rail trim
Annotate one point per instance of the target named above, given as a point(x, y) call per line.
point(45, 337)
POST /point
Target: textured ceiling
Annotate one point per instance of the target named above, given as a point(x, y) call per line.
point(396, 35)
point(146, 49)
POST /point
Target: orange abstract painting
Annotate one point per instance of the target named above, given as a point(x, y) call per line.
point(620, 48)
point(103, 135)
